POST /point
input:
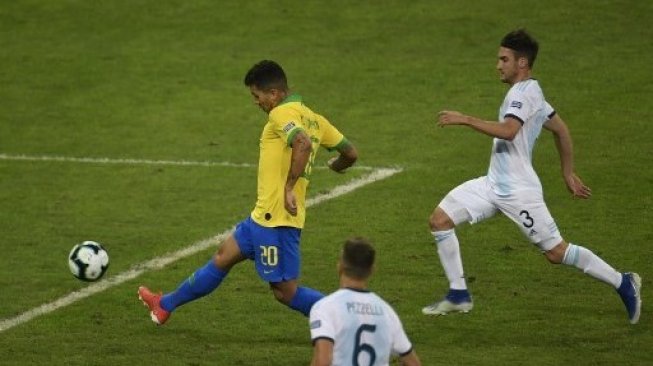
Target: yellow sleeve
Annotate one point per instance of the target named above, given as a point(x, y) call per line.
point(286, 123)
point(331, 139)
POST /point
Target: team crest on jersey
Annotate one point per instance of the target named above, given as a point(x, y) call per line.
point(515, 104)
point(316, 324)
point(289, 126)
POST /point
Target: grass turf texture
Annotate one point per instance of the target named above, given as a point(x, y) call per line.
point(153, 80)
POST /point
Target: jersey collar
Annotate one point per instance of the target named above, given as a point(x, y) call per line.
point(356, 289)
point(291, 98)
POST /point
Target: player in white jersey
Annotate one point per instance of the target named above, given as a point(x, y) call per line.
point(512, 187)
point(354, 326)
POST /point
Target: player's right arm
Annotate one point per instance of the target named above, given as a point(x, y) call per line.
point(322, 352)
point(400, 343)
point(564, 144)
point(285, 124)
point(505, 131)
point(301, 151)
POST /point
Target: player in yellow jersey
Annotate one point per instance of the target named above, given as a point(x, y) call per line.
point(270, 235)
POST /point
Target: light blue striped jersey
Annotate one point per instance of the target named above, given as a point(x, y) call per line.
point(511, 166)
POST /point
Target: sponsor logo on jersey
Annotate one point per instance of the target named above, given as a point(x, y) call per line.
point(316, 324)
point(289, 126)
point(313, 125)
point(515, 104)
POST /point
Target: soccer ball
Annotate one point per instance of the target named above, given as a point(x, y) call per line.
point(88, 261)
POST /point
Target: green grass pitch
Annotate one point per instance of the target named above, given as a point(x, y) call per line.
point(162, 80)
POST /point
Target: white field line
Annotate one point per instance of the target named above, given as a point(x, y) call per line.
point(127, 161)
point(160, 262)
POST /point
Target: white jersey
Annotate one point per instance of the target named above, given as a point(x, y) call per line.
point(511, 169)
point(364, 329)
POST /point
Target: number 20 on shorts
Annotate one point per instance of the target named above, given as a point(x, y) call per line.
point(269, 255)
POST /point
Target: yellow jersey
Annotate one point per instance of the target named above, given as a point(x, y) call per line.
point(284, 122)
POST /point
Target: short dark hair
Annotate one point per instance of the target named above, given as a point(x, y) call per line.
point(266, 75)
point(523, 44)
point(358, 258)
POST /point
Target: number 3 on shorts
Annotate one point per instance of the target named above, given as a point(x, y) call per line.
point(528, 220)
point(269, 255)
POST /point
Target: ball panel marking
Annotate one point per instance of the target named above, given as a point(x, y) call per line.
point(88, 261)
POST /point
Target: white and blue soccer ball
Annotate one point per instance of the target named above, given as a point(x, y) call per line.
point(88, 261)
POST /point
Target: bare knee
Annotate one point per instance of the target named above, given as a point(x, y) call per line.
point(557, 253)
point(280, 296)
point(284, 292)
point(228, 254)
point(439, 220)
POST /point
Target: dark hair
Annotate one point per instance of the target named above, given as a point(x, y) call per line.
point(523, 44)
point(266, 75)
point(357, 258)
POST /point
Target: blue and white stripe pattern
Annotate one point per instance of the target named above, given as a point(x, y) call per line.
point(510, 165)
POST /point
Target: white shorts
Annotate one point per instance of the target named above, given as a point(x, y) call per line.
point(475, 201)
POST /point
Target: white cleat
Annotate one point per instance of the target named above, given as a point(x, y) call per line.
point(445, 306)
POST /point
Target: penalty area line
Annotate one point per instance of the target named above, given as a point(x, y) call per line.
point(163, 261)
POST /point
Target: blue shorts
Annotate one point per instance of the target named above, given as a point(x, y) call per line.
point(275, 250)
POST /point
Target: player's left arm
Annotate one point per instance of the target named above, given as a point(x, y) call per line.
point(301, 152)
point(565, 148)
point(505, 131)
point(322, 352)
point(346, 158)
point(400, 342)
point(410, 359)
point(332, 139)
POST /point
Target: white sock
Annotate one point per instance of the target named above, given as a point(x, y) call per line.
point(449, 252)
point(584, 259)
